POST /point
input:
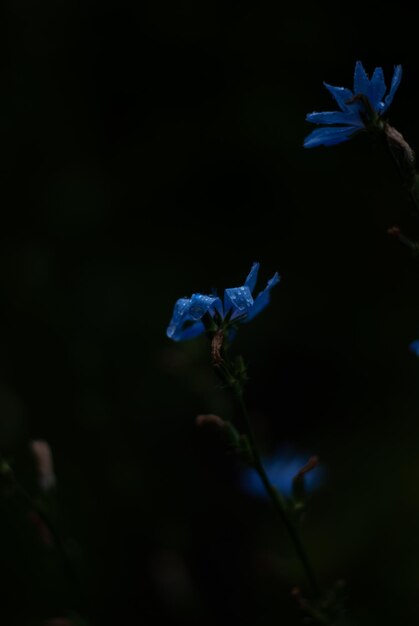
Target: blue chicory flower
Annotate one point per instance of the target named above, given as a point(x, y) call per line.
point(414, 347)
point(359, 109)
point(238, 305)
point(281, 468)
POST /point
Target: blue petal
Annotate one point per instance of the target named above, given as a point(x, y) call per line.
point(329, 136)
point(263, 298)
point(190, 332)
point(281, 469)
point(174, 329)
point(251, 483)
point(250, 281)
point(395, 82)
point(336, 117)
point(341, 95)
point(361, 80)
point(200, 304)
point(414, 347)
point(190, 310)
point(282, 472)
point(238, 299)
point(377, 88)
point(180, 312)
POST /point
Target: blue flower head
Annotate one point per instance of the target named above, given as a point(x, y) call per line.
point(359, 110)
point(238, 305)
point(281, 469)
point(414, 347)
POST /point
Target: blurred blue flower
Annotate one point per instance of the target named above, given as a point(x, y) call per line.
point(414, 347)
point(360, 109)
point(281, 468)
point(238, 306)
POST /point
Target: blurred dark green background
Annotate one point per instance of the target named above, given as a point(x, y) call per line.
point(149, 150)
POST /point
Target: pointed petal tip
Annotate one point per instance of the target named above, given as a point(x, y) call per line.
point(397, 75)
point(377, 89)
point(395, 83)
point(360, 70)
point(311, 143)
point(341, 94)
point(171, 332)
point(361, 80)
point(255, 266)
point(351, 117)
point(330, 135)
point(252, 276)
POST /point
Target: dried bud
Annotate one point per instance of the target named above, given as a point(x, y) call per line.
point(299, 598)
point(394, 231)
point(413, 246)
point(214, 420)
point(216, 347)
point(296, 592)
point(44, 464)
point(310, 465)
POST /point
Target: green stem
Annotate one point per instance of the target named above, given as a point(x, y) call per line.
point(277, 500)
point(58, 540)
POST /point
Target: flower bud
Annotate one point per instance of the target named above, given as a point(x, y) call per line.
point(41, 452)
point(210, 419)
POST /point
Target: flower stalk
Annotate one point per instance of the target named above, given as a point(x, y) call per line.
point(48, 533)
point(278, 501)
point(219, 319)
point(404, 158)
point(362, 110)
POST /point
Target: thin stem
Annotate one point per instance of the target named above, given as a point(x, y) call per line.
point(404, 160)
point(277, 500)
point(402, 178)
point(58, 540)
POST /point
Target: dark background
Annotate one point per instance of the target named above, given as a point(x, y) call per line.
point(154, 149)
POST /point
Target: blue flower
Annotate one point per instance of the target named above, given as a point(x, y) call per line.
point(360, 109)
point(238, 305)
point(281, 469)
point(414, 347)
